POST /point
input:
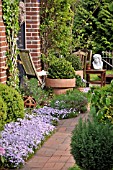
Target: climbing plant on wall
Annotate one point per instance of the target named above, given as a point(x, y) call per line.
point(93, 25)
point(56, 26)
point(11, 21)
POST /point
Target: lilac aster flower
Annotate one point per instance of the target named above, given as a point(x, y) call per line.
point(20, 139)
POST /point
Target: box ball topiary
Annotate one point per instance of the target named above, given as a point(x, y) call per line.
point(59, 68)
point(92, 145)
point(3, 113)
point(14, 102)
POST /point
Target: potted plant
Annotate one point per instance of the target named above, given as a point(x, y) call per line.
point(88, 65)
point(80, 84)
point(61, 75)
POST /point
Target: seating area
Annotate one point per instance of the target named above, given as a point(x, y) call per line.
point(86, 57)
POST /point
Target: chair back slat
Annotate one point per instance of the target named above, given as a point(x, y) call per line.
point(26, 61)
point(28, 64)
point(83, 56)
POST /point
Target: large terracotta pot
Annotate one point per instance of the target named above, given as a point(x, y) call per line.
point(60, 86)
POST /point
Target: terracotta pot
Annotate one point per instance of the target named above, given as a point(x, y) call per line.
point(29, 102)
point(80, 73)
point(88, 67)
point(60, 86)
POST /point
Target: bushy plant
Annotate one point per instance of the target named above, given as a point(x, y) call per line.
point(102, 102)
point(60, 69)
point(3, 113)
point(30, 87)
point(14, 102)
point(25, 88)
point(74, 101)
point(75, 61)
point(79, 81)
point(92, 145)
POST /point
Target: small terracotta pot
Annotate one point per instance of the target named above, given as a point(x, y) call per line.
point(80, 73)
point(88, 67)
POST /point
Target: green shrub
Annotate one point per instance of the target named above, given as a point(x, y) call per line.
point(102, 102)
point(60, 69)
point(74, 100)
point(30, 87)
point(75, 61)
point(14, 102)
point(79, 81)
point(3, 113)
point(92, 145)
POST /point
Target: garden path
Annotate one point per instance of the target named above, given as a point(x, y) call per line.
point(55, 152)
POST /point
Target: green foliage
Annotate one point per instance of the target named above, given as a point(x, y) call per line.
point(3, 112)
point(79, 81)
point(93, 25)
point(75, 60)
point(72, 100)
point(30, 88)
point(13, 101)
point(102, 102)
point(11, 21)
point(91, 145)
point(56, 26)
point(61, 69)
point(75, 167)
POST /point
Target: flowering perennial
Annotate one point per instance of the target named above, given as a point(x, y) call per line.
point(59, 114)
point(20, 139)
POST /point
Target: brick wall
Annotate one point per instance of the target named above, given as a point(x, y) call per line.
point(32, 39)
point(32, 31)
point(3, 47)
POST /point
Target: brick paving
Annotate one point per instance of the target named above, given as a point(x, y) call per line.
point(55, 152)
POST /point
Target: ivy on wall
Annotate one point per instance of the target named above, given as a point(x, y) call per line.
point(11, 20)
point(56, 26)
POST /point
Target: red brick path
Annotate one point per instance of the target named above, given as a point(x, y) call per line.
point(55, 152)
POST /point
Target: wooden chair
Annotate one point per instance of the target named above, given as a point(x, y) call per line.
point(28, 65)
point(84, 57)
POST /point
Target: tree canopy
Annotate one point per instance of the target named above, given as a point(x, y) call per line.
point(93, 25)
